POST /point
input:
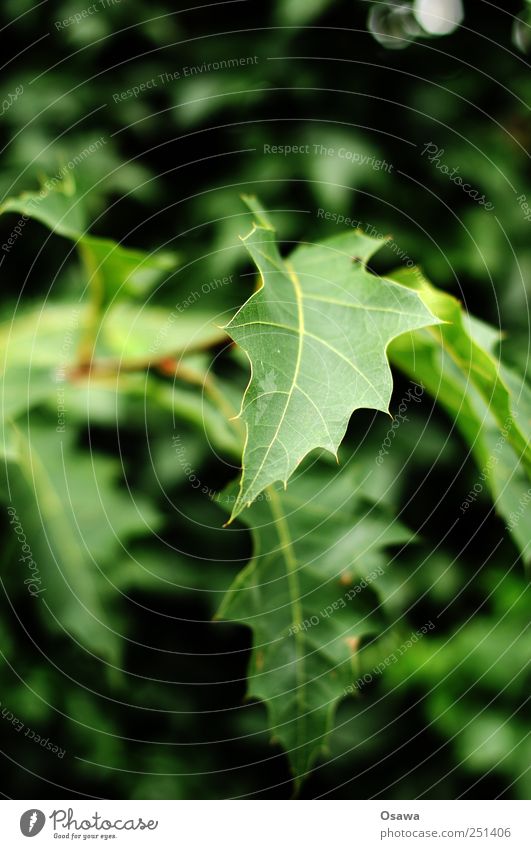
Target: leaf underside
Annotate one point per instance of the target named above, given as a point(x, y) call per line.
point(316, 334)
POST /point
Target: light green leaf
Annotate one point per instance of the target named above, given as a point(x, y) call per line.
point(152, 331)
point(316, 334)
point(489, 403)
point(117, 271)
point(302, 595)
point(56, 205)
point(75, 521)
point(38, 361)
point(36, 346)
point(468, 343)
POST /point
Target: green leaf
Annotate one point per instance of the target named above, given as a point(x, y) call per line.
point(117, 271)
point(189, 405)
point(113, 270)
point(302, 595)
point(36, 346)
point(316, 334)
point(485, 678)
point(38, 352)
point(75, 521)
point(490, 404)
point(56, 205)
point(152, 332)
point(468, 343)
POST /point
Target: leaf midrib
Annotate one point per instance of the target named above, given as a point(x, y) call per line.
point(286, 548)
point(301, 332)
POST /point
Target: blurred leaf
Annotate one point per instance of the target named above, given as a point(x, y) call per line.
point(302, 595)
point(75, 520)
point(116, 271)
point(188, 404)
point(290, 12)
point(113, 270)
point(476, 678)
point(150, 332)
point(477, 363)
point(489, 403)
point(36, 346)
point(56, 206)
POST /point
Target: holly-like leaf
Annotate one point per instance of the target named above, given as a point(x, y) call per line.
point(308, 595)
point(316, 334)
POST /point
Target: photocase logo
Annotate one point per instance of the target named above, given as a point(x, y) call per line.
point(32, 822)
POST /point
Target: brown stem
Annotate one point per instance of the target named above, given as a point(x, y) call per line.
point(110, 366)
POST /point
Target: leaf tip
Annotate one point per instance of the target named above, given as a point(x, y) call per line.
point(253, 204)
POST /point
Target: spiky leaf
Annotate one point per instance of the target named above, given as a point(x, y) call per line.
point(308, 595)
point(316, 334)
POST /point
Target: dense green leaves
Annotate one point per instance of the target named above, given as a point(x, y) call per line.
point(447, 719)
point(309, 596)
point(472, 689)
point(316, 334)
point(83, 351)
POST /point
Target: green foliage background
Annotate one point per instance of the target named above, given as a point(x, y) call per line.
point(126, 671)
